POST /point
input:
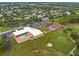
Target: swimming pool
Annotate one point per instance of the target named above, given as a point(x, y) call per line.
point(23, 36)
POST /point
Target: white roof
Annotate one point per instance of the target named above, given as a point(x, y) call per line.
point(33, 31)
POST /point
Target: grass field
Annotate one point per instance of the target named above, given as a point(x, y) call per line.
point(44, 28)
point(4, 28)
point(75, 27)
point(62, 45)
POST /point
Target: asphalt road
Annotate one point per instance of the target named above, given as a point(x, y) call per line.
point(9, 40)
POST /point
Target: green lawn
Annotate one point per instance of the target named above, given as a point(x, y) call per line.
point(43, 28)
point(65, 18)
point(75, 27)
point(62, 45)
point(4, 28)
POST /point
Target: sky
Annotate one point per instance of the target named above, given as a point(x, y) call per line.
point(39, 0)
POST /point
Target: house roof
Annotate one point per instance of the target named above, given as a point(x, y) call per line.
point(33, 31)
point(37, 24)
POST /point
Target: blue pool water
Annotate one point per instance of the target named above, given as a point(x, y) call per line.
point(23, 36)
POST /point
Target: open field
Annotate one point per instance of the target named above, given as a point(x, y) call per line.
point(75, 27)
point(4, 28)
point(44, 28)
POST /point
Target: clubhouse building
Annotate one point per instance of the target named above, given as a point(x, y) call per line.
point(27, 33)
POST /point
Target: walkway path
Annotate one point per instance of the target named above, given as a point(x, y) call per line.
point(72, 51)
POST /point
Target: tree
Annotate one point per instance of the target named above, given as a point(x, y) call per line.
point(65, 30)
point(74, 35)
point(69, 29)
point(3, 43)
point(76, 52)
point(77, 43)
